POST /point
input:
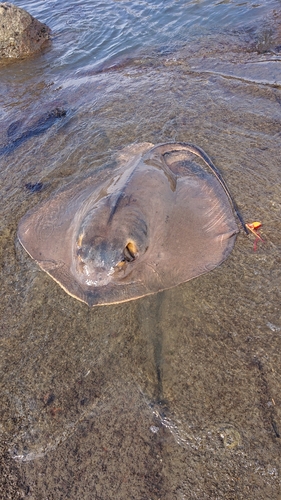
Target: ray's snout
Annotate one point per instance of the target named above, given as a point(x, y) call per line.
point(100, 255)
point(100, 262)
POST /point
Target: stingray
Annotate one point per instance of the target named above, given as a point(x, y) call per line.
point(157, 220)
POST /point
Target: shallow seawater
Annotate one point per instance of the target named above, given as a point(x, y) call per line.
point(176, 395)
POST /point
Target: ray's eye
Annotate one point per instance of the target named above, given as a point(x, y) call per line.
point(79, 240)
point(130, 251)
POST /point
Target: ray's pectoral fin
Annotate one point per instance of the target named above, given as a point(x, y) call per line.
point(156, 159)
point(51, 265)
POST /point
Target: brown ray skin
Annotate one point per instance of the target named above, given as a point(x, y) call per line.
point(190, 225)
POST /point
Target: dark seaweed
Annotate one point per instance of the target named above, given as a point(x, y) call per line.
point(43, 124)
point(34, 188)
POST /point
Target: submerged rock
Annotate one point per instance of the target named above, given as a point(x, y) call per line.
point(20, 33)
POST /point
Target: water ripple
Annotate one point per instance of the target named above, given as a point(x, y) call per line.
point(87, 32)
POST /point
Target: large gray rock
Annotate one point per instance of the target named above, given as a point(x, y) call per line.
point(20, 33)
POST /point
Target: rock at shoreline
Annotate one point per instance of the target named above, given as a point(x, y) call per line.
point(21, 34)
